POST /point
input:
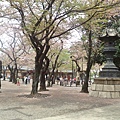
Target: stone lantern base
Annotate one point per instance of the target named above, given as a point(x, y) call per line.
point(105, 87)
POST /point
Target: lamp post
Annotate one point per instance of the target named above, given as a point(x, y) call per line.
point(72, 69)
point(72, 66)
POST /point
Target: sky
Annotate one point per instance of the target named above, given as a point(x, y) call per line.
point(75, 36)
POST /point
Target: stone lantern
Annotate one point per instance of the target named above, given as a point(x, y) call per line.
point(107, 85)
point(109, 38)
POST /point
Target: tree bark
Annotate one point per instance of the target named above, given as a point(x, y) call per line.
point(43, 73)
point(36, 78)
point(42, 81)
point(89, 65)
point(85, 85)
point(13, 76)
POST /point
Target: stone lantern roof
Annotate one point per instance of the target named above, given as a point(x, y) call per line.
point(109, 33)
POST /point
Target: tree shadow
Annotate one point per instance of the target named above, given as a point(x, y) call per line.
point(37, 95)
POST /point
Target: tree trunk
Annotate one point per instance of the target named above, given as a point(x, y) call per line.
point(50, 79)
point(4, 72)
point(42, 81)
point(85, 85)
point(39, 63)
point(43, 73)
point(4, 76)
point(15, 75)
point(14, 78)
point(48, 82)
point(11, 76)
point(35, 78)
point(0, 83)
point(89, 65)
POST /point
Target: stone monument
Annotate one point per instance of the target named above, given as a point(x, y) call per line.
point(107, 85)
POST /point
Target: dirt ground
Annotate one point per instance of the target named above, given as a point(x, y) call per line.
point(16, 104)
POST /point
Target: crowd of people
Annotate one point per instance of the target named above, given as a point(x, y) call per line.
point(25, 80)
point(64, 81)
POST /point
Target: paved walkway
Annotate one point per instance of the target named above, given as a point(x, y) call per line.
point(59, 103)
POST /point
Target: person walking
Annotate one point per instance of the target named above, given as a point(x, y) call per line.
point(58, 80)
point(61, 81)
point(65, 81)
point(71, 82)
point(25, 80)
point(18, 81)
point(28, 79)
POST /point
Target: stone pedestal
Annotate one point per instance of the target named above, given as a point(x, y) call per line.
point(105, 88)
